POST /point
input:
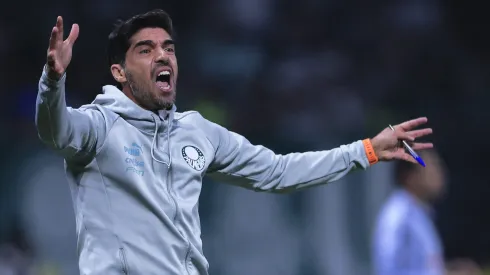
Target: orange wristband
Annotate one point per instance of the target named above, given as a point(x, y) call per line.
point(371, 155)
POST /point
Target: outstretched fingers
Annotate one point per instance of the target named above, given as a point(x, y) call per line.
point(59, 25)
point(53, 39)
point(422, 146)
point(75, 30)
point(400, 135)
point(420, 133)
point(401, 155)
point(411, 124)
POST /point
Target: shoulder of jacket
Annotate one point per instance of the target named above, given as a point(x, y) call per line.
point(106, 113)
point(195, 120)
point(188, 115)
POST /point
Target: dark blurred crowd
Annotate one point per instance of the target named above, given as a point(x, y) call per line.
point(291, 75)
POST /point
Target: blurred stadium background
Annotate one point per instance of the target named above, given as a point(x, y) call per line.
point(291, 75)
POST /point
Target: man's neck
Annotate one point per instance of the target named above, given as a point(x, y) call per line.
point(127, 91)
point(163, 113)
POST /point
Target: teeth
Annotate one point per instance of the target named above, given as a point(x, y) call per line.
point(164, 73)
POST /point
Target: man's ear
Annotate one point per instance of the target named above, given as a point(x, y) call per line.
point(118, 73)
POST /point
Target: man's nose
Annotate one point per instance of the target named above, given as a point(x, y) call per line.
point(162, 58)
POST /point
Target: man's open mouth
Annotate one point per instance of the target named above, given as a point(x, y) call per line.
point(163, 80)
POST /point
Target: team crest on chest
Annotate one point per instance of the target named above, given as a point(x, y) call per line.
point(194, 157)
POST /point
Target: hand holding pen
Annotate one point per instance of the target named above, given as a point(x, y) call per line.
point(410, 150)
point(394, 141)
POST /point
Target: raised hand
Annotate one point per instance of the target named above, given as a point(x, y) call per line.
point(59, 50)
point(387, 144)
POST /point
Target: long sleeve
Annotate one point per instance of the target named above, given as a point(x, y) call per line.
point(72, 132)
point(241, 163)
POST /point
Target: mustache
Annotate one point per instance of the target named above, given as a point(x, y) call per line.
point(161, 63)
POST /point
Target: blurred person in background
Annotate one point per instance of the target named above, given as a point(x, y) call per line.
point(15, 259)
point(135, 165)
point(406, 241)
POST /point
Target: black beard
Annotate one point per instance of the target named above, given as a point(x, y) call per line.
point(147, 99)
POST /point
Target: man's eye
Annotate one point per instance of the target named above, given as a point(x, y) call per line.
point(171, 50)
point(145, 51)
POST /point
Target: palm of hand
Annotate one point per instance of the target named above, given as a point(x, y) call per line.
point(60, 57)
point(387, 144)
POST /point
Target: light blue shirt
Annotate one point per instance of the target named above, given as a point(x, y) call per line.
point(405, 239)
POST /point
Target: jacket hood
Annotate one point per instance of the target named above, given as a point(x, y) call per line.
point(146, 121)
point(115, 100)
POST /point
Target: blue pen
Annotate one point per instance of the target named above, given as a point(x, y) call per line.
point(411, 151)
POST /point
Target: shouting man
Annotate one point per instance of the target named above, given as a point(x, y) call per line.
point(135, 165)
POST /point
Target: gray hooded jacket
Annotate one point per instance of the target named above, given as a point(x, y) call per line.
point(135, 177)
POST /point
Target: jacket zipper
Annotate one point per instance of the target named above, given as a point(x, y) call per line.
point(124, 263)
point(186, 261)
point(170, 192)
point(174, 202)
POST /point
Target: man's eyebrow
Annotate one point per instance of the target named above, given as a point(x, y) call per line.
point(168, 42)
point(144, 43)
point(165, 43)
